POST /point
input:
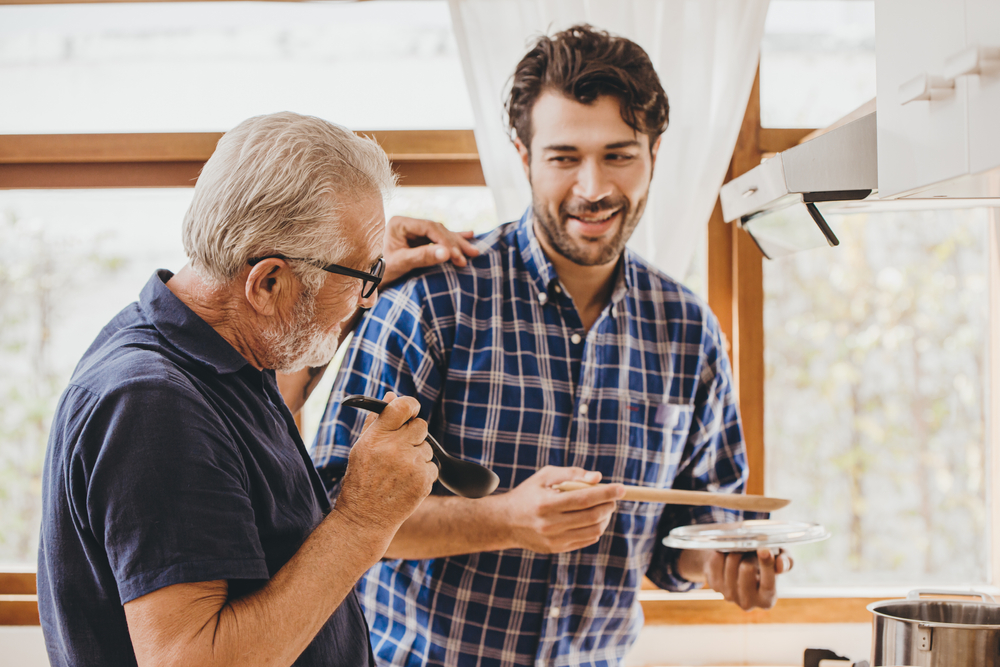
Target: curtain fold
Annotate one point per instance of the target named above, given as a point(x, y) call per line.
point(706, 54)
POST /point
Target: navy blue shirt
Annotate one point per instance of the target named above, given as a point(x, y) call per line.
point(171, 460)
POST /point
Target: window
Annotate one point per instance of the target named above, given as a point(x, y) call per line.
point(71, 260)
point(203, 66)
point(877, 387)
point(817, 61)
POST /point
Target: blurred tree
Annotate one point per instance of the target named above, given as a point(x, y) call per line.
point(38, 276)
point(875, 395)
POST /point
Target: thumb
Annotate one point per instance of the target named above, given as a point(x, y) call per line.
point(369, 420)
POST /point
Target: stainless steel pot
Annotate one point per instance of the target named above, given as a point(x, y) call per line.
point(936, 632)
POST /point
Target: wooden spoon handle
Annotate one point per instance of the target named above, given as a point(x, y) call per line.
point(733, 501)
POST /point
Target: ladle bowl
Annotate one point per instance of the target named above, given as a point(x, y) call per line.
point(463, 478)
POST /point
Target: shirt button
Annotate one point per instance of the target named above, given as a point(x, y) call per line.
point(543, 298)
point(575, 338)
point(554, 612)
point(583, 409)
point(558, 289)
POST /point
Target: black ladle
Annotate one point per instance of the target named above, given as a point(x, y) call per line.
point(463, 478)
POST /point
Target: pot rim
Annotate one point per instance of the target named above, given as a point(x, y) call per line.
point(873, 608)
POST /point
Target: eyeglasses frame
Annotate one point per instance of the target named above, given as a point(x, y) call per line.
point(374, 276)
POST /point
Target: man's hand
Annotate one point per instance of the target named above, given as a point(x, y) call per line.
point(746, 579)
point(390, 469)
point(412, 243)
point(545, 520)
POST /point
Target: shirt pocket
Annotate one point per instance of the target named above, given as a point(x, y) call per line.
point(658, 433)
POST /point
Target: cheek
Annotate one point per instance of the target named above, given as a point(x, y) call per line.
point(337, 307)
point(551, 188)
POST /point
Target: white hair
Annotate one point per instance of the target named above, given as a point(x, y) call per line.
point(272, 186)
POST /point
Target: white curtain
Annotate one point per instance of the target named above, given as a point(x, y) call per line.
point(705, 52)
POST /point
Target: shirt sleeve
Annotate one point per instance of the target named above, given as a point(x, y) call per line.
point(714, 459)
point(396, 347)
point(165, 489)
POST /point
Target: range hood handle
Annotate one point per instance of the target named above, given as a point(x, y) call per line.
point(973, 60)
point(926, 87)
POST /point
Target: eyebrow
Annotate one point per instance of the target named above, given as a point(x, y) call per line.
point(566, 148)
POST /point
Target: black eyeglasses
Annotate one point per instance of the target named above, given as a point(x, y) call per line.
point(369, 280)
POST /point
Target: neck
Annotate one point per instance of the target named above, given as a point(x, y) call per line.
point(590, 287)
point(223, 308)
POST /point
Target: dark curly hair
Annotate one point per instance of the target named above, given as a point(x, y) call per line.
point(585, 63)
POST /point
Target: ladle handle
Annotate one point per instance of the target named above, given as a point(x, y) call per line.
point(377, 406)
point(365, 403)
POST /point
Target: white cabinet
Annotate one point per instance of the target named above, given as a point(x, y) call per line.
point(983, 41)
point(938, 95)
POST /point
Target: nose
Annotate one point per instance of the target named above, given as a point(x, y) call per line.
point(592, 183)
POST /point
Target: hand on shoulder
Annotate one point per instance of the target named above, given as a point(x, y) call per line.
point(414, 243)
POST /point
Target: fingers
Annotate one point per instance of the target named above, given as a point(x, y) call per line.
point(369, 420)
point(597, 515)
point(398, 412)
point(748, 594)
point(457, 244)
point(552, 475)
point(746, 579)
point(783, 562)
point(569, 501)
point(715, 572)
point(425, 242)
point(731, 577)
point(767, 572)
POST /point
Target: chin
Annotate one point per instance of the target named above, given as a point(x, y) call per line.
point(316, 350)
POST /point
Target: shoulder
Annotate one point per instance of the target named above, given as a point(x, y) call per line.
point(680, 304)
point(442, 286)
point(134, 377)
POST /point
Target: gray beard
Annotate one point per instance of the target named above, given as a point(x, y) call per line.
point(300, 343)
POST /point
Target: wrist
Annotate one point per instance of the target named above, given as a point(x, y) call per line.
point(501, 517)
point(368, 540)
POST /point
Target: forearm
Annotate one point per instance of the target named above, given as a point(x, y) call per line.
point(449, 526)
point(272, 626)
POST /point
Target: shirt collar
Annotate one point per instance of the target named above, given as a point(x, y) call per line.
point(543, 274)
point(184, 330)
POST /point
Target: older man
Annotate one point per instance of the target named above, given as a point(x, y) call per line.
point(556, 355)
point(183, 521)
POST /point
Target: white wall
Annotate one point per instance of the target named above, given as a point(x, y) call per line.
point(749, 644)
point(22, 646)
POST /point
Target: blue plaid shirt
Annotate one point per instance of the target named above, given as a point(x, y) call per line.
point(507, 376)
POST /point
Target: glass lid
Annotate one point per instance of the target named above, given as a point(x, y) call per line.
point(745, 535)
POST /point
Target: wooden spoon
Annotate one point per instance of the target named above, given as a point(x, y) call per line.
point(733, 501)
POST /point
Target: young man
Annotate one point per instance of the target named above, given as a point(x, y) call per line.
point(555, 355)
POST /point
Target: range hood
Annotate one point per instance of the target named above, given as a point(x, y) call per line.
point(781, 202)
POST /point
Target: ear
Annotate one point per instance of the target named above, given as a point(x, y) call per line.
point(653, 151)
point(522, 150)
point(270, 286)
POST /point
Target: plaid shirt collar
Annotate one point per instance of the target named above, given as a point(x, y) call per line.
point(544, 275)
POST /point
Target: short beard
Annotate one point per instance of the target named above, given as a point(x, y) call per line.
point(300, 342)
point(560, 240)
